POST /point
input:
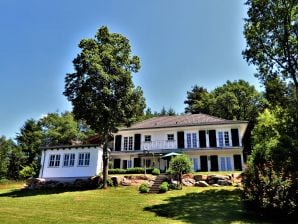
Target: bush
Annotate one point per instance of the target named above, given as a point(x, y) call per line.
point(164, 187)
point(144, 188)
point(117, 171)
point(173, 186)
point(27, 172)
point(135, 170)
point(155, 171)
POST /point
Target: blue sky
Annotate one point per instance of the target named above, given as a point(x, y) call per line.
point(180, 44)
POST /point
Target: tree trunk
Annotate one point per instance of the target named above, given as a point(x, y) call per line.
point(105, 160)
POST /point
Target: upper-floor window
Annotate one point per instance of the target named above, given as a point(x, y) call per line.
point(170, 137)
point(191, 140)
point(147, 138)
point(84, 159)
point(223, 138)
point(69, 159)
point(128, 143)
point(54, 160)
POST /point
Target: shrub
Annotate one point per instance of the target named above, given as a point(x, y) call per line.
point(164, 187)
point(155, 171)
point(27, 172)
point(144, 188)
point(117, 171)
point(135, 170)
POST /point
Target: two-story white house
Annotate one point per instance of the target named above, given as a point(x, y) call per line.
point(212, 143)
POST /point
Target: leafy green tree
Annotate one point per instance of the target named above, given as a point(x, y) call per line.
point(271, 32)
point(4, 157)
point(101, 88)
point(198, 100)
point(180, 165)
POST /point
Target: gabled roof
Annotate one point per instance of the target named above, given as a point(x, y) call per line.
point(180, 121)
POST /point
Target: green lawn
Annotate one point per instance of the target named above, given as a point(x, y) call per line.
point(122, 205)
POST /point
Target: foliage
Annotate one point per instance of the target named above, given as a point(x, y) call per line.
point(27, 172)
point(180, 165)
point(164, 187)
point(198, 101)
point(271, 32)
point(135, 170)
point(155, 171)
point(144, 188)
point(101, 89)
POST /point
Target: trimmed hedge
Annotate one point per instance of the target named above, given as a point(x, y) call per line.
point(135, 170)
point(155, 171)
point(144, 188)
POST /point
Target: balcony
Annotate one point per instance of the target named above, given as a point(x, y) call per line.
point(160, 144)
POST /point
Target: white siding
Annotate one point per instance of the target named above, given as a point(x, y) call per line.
point(94, 167)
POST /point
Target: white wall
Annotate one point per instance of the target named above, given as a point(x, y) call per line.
point(95, 164)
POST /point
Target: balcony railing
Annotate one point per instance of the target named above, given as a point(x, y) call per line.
point(160, 144)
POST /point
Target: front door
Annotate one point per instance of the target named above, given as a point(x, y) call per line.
point(214, 163)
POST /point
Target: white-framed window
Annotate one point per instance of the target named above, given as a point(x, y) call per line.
point(225, 163)
point(196, 164)
point(84, 159)
point(54, 160)
point(128, 143)
point(69, 159)
point(170, 137)
point(223, 139)
point(147, 138)
point(191, 140)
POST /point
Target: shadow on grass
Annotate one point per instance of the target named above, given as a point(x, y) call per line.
point(210, 206)
point(27, 193)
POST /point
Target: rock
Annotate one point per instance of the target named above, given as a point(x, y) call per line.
point(215, 185)
point(201, 184)
point(238, 185)
point(188, 182)
point(187, 176)
point(200, 177)
point(224, 182)
point(116, 180)
point(125, 182)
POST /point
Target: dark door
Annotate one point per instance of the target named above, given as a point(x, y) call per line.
point(136, 162)
point(117, 163)
point(235, 137)
point(180, 135)
point(237, 162)
point(137, 141)
point(212, 138)
point(214, 163)
point(118, 143)
point(204, 163)
point(202, 139)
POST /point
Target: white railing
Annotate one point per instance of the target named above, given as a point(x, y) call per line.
point(160, 144)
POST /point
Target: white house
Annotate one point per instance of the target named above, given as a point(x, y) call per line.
point(71, 162)
point(213, 144)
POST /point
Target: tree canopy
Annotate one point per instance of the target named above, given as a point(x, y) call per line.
point(101, 89)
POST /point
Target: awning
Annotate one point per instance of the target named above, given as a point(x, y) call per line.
point(171, 154)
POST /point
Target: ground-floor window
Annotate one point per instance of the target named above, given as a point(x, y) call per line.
point(126, 164)
point(54, 160)
point(196, 165)
point(225, 163)
point(84, 159)
point(69, 159)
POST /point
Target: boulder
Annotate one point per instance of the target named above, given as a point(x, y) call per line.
point(215, 185)
point(187, 176)
point(188, 182)
point(224, 182)
point(238, 185)
point(201, 184)
point(116, 180)
point(125, 182)
point(200, 177)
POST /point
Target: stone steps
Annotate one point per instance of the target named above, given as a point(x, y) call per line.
point(157, 182)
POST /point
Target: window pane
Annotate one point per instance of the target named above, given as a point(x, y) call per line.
point(125, 144)
point(220, 139)
point(188, 140)
point(87, 159)
point(194, 140)
point(130, 143)
point(229, 164)
point(72, 159)
point(227, 141)
point(66, 160)
point(222, 164)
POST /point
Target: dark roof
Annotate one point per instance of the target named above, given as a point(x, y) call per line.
point(70, 146)
point(180, 121)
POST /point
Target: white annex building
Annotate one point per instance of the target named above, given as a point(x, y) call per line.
point(213, 144)
point(70, 162)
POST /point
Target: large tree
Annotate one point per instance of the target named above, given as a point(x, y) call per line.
point(101, 89)
point(198, 101)
point(271, 32)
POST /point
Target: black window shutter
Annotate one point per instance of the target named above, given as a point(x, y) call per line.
point(137, 141)
point(117, 163)
point(137, 162)
point(214, 163)
point(235, 137)
point(237, 162)
point(118, 142)
point(212, 138)
point(180, 135)
point(202, 139)
point(204, 163)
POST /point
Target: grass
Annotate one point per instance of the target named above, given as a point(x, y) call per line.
point(122, 205)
